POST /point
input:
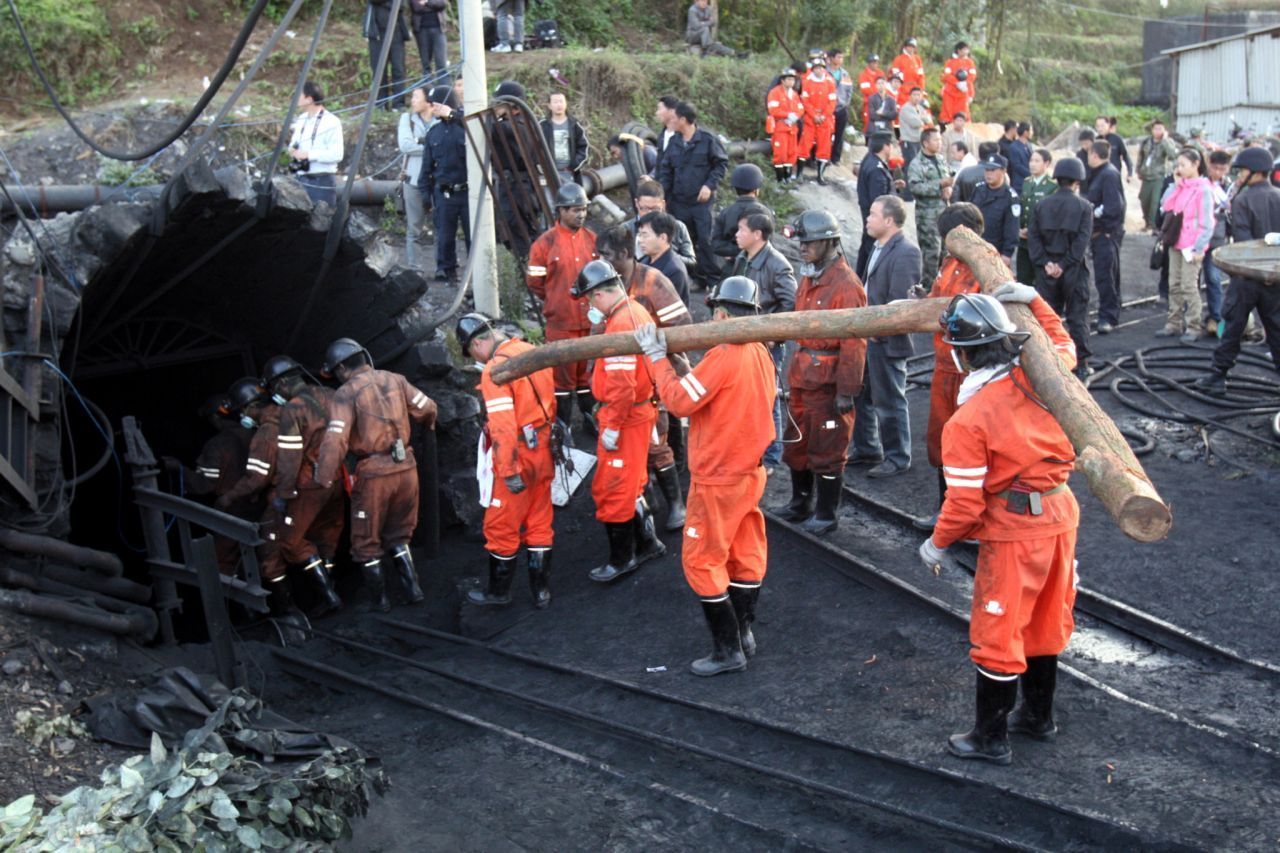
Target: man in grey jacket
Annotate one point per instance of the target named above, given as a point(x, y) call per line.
point(882, 427)
point(700, 29)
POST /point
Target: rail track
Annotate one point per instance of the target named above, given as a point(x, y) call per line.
point(795, 789)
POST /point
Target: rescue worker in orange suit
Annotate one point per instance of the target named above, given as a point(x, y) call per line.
point(910, 66)
point(369, 418)
point(555, 260)
point(256, 411)
point(655, 293)
point(625, 418)
point(728, 399)
point(818, 94)
point(219, 466)
point(520, 416)
point(785, 113)
point(824, 378)
point(312, 515)
point(1007, 461)
point(959, 77)
point(867, 88)
point(954, 278)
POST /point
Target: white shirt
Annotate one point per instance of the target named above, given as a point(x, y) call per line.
point(412, 128)
point(321, 135)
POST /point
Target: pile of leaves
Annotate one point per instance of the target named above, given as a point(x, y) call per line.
point(200, 796)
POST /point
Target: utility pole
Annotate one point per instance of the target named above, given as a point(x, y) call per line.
point(475, 89)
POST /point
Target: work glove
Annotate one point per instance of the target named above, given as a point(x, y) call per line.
point(933, 557)
point(653, 343)
point(792, 118)
point(963, 85)
point(1013, 292)
point(609, 439)
point(514, 484)
point(845, 403)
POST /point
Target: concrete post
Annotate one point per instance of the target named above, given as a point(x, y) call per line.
point(484, 281)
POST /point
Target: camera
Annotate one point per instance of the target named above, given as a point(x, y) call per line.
point(298, 167)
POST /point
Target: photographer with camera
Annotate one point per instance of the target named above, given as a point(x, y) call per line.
point(316, 147)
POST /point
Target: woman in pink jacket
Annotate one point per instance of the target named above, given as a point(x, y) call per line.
point(1191, 195)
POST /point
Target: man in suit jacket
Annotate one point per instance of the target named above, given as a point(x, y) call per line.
point(874, 180)
point(882, 427)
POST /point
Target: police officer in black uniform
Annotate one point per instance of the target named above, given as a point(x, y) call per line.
point(1000, 206)
point(1058, 243)
point(443, 179)
point(689, 173)
point(746, 179)
point(1255, 212)
point(1106, 195)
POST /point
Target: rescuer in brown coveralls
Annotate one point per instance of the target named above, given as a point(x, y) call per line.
point(312, 514)
point(369, 418)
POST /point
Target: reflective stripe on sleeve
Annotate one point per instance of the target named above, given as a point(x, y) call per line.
point(965, 472)
point(675, 309)
point(257, 466)
point(962, 483)
point(537, 271)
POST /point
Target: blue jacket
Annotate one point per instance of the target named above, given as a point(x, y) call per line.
point(874, 180)
point(444, 156)
point(687, 167)
point(1106, 194)
point(1001, 212)
point(1019, 164)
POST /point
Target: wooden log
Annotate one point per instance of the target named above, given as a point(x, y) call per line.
point(921, 315)
point(1102, 453)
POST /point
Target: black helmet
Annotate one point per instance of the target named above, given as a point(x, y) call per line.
point(962, 74)
point(571, 195)
point(873, 57)
point(746, 177)
point(469, 327)
point(815, 225)
point(338, 352)
point(244, 392)
point(972, 319)
point(277, 367)
point(593, 275)
point(1254, 159)
point(1070, 168)
point(444, 95)
point(736, 290)
point(509, 89)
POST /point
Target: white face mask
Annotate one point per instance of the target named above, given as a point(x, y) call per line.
point(247, 422)
point(278, 400)
point(595, 315)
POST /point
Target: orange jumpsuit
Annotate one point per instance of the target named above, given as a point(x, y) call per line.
point(656, 294)
point(818, 95)
point(1024, 587)
point(867, 88)
point(953, 99)
point(954, 278)
point(369, 413)
point(511, 520)
point(623, 384)
point(912, 70)
point(313, 514)
point(783, 102)
point(555, 259)
point(728, 399)
point(821, 369)
point(256, 481)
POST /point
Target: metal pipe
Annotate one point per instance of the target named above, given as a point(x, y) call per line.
point(68, 611)
point(46, 546)
point(143, 616)
point(614, 176)
point(120, 588)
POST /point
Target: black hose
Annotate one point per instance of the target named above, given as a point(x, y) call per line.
point(237, 47)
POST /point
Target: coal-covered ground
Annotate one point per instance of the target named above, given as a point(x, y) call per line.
point(838, 659)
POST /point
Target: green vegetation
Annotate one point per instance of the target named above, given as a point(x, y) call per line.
point(69, 37)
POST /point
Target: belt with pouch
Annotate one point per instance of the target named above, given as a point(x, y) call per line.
point(1023, 502)
point(450, 190)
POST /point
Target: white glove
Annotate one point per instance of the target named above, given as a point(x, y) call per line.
point(1013, 292)
point(609, 439)
point(962, 85)
point(933, 557)
point(792, 118)
point(652, 341)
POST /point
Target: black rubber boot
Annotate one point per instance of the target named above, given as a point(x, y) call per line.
point(669, 483)
point(377, 585)
point(780, 174)
point(540, 577)
point(586, 405)
point(1034, 717)
point(801, 506)
point(675, 440)
point(408, 574)
point(622, 552)
point(744, 599)
point(827, 487)
point(292, 625)
point(502, 570)
point(798, 175)
point(822, 172)
point(989, 738)
point(1215, 383)
point(726, 654)
point(648, 545)
point(329, 600)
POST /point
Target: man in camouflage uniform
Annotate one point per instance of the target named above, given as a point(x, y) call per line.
point(1155, 162)
point(929, 178)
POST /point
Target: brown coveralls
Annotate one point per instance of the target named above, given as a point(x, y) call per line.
point(368, 414)
point(257, 481)
point(313, 514)
point(219, 467)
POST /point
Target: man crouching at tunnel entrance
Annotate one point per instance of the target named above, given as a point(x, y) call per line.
point(728, 400)
point(1006, 461)
point(369, 417)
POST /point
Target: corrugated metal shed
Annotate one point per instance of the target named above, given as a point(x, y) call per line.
point(1226, 82)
